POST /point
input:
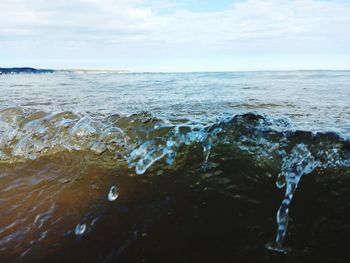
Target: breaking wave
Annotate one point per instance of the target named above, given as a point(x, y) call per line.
point(140, 140)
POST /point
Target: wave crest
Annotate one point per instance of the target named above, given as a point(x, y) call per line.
point(274, 143)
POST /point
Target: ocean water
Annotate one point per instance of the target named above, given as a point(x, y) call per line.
point(175, 167)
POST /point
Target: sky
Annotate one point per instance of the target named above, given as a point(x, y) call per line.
point(176, 35)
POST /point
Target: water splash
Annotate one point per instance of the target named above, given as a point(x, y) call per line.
point(113, 193)
point(143, 140)
point(29, 135)
point(143, 156)
point(80, 229)
point(294, 166)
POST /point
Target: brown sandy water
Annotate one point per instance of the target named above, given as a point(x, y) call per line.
point(181, 214)
point(42, 201)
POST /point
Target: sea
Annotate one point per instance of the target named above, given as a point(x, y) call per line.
point(175, 167)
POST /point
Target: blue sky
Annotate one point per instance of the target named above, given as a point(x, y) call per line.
point(176, 35)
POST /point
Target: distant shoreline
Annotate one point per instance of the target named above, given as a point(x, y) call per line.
point(28, 70)
point(25, 70)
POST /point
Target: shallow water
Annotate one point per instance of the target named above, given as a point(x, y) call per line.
point(175, 167)
point(312, 99)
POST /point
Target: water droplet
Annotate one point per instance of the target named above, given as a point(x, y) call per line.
point(113, 193)
point(80, 229)
point(278, 249)
point(281, 181)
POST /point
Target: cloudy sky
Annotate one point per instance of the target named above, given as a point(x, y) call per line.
point(176, 35)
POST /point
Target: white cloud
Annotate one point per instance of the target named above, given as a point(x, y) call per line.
point(148, 31)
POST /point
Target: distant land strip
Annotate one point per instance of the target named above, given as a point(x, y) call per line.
point(24, 70)
point(27, 70)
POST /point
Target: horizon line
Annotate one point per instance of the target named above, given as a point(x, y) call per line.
point(111, 70)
